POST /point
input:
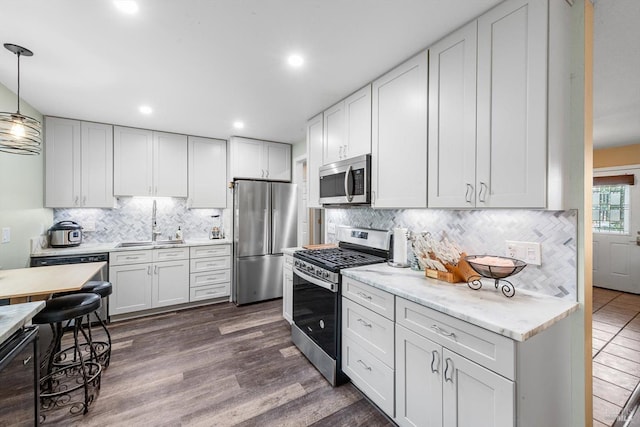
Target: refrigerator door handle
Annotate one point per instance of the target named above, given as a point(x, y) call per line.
point(274, 231)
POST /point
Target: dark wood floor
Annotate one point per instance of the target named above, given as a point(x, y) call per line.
point(219, 365)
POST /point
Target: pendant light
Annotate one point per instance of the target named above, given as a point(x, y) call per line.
point(19, 134)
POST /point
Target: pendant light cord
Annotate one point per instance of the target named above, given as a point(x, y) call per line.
point(18, 53)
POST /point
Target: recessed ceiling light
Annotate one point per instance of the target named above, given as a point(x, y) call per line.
point(126, 6)
point(145, 109)
point(238, 124)
point(295, 60)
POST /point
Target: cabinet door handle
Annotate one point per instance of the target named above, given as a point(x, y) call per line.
point(84, 200)
point(156, 191)
point(149, 270)
point(446, 369)
point(27, 360)
point(149, 191)
point(435, 358)
point(75, 201)
point(368, 368)
point(155, 269)
point(344, 151)
point(366, 325)
point(483, 194)
point(443, 332)
point(340, 152)
point(267, 173)
point(365, 296)
point(468, 193)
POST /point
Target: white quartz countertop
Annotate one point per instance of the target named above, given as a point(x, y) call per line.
point(93, 248)
point(290, 251)
point(15, 316)
point(520, 317)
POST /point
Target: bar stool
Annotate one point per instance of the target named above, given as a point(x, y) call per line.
point(57, 387)
point(101, 349)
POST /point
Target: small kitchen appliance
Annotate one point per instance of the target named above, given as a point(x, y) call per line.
point(347, 182)
point(216, 229)
point(65, 234)
point(317, 304)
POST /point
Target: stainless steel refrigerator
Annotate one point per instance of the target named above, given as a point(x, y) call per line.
point(264, 222)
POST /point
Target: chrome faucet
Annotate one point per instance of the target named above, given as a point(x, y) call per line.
point(154, 225)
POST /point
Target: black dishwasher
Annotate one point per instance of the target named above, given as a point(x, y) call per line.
point(19, 379)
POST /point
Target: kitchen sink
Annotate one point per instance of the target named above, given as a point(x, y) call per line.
point(149, 243)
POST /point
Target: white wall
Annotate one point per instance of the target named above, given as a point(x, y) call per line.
point(21, 194)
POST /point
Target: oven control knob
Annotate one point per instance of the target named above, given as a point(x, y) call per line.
point(325, 275)
point(310, 268)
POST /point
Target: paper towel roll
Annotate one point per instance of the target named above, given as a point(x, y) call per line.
point(400, 245)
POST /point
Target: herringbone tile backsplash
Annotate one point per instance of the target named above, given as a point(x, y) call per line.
point(131, 220)
point(485, 232)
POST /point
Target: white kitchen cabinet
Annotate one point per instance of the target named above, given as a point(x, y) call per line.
point(207, 173)
point(452, 119)
point(210, 268)
point(169, 165)
point(131, 288)
point(368, 349)
point(287, 288)
point(314, 160)
point(170, 283)
point(256, 159)
point(148, 163)
point(334, 133)
point(79, 164)
point(435, 386)
point(512, 105)
point(147, 279)
point(347, 127)
point(399, 136)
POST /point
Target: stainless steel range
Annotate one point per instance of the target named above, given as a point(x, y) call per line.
point(316, 294)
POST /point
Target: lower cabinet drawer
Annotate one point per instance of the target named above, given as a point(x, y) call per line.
point(207, 278)
point(205, 264)
point(368, 329)
point(484, 347)
point(369, 374)
point(211, 291)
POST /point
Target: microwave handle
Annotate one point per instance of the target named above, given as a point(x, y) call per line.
point(347, 176)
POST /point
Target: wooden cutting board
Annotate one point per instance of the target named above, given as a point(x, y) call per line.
point(322, 246)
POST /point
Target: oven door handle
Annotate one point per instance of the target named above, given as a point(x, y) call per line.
point(329, 286)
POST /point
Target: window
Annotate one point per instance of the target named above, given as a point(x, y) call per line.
point(611, 208)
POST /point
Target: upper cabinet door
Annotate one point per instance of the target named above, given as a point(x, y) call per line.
point(334, 134)
point(132, 162)
point(62, 161)
point(314, 160)
point(278, 161)
point(207, 173)
point(97, 165)
point(247, 158)
point(169, 165)
point(452, 119)
point(399, 137)
point(512, 105)
point(357, 113)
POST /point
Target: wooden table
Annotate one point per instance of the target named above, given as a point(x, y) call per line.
point(43, 281)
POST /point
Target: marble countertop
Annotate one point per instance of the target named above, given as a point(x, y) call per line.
point(520, 317)
point(13, 317)
point(290, 251)
point(92, 248)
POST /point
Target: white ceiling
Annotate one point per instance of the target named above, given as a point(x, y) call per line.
point(202, 64)
point(616, 73)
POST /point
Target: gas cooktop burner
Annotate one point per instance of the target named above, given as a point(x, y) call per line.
point(335, 259)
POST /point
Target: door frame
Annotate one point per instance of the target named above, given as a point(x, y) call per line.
point(299, 177)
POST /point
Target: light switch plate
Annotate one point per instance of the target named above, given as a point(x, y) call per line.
point(529, 252)
point(6, 234)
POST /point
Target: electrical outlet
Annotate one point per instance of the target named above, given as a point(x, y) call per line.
point(89, 226)
point(331, 228)
point(6, 234)
point(529, 252)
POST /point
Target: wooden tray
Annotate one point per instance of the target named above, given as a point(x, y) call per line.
point(321, 246)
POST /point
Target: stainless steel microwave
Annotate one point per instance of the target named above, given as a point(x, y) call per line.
point(347, 182)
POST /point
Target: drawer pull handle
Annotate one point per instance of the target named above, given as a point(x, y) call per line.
point(443, 332)
point(365, 296)
point(171, 254)
point(27, 360)
point(446, 369)
point(368, 368)
point(368, 325)
point(131, 257)
point(435, 358)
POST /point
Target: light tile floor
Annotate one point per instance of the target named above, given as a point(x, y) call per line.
point(616, 353)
